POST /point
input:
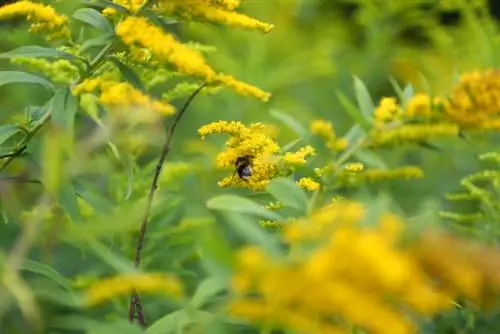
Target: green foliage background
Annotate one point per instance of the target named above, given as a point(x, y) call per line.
point(305, 62)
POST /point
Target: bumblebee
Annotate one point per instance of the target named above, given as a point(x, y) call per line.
point(243, 166)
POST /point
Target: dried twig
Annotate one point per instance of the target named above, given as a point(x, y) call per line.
point(135, 303)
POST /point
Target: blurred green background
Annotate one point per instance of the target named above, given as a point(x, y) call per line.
point(312, 54)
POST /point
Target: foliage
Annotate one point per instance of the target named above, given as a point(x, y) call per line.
point(325, 210)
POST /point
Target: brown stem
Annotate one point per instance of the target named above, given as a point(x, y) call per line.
point(135, 303)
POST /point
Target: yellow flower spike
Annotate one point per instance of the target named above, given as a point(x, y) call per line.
point(339, 144)
point(109, 288)
point(299, 158)
point(245, 141)
point(220, 12)
point(419, 105)
point(387, 110)
point(323, 129)
point(138, 32)
point(474, 102)
point(43, 18)
point(308, 184)
point(132, 5)
point(122, 95)
point(354, 167)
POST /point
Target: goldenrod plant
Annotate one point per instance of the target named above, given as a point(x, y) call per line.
point(163, 169)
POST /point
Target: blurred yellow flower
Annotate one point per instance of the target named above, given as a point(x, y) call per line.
point(136, 31)
point(213, 11)
point(419, 105)
point(109, 288)
point(299, 158)
point(44, 18)
point(358, 276)
point(387, 110)
point(308, 184)
point(474, 103)
point(122, 95)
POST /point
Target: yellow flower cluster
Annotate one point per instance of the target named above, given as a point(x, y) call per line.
point(44, 18)
point(299, 158)
point(251, 141)
point(109, 288)
point(357, 276)
point(213, 11)
point(475, 103)
point(324, 130)
point(308, 184)
point(387, 110)
point(122, 95)
point(132, 5)
point(137, 31)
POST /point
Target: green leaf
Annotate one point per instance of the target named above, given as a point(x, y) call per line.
point(175, 322)
point(116, 262)
point(353, 111)
point(397, 88)
point(94, 18)
point(47, 271)
point(128, 74)
point(68, 201)
point(290, 122)
point(407, 93)
point(354, 134)
point(288, 147)
point(207, 289)
point(248, 229)
point(97, 41)
point(8, 77)
point(106, 4)
point(234, 203)
point(64, 108)
point(119, 326)
point(36, 51)
point(364, 99)
point(370, 159)
point(7, 131)
point(289, 193)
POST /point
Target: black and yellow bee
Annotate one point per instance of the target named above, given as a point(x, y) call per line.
point(243, 166)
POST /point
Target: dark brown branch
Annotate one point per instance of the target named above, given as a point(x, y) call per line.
point(135, 304)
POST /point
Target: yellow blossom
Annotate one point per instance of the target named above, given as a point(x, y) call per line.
point(245, 141)
point(387, 110)
point(121, 95)
point(323, 129)
point(109, 288)
point(354, 167)
point(299, 158)
point(218, 14)
point(135, 31)
point(132, 5)
point(308, 184)
point(43, 18)
point(474, 102)
point(419, 105)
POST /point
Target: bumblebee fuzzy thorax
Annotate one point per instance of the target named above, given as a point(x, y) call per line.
point(244, 167)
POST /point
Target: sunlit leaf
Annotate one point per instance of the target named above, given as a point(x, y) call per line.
point(37, 52)
point(94, 18)
point(289, 193)
point(365, 102)
point(207, 289)
point(353, 111)
point(9, 77)
point(47, 271)
point(234, 203)
point(289, 122)
point(177, 321)
point(7, 131)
